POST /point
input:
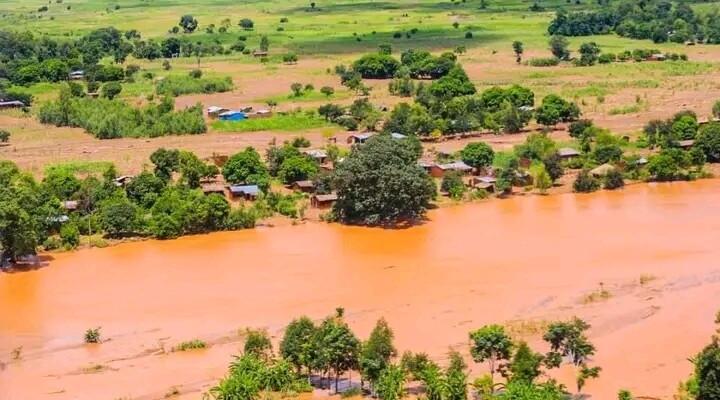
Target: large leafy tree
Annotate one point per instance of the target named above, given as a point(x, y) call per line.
point(380, 182)
point(338, 347)
point(297, 344)
point(478, 155)
point(377, 351)
point(707, 371)
point(490, 343)
point(247, 167)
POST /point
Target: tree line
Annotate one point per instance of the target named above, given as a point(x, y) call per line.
point(658, 20)
point(322, 353)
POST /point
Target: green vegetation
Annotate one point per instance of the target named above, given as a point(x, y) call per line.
point(330, 349)
point(110, 119)
point(381, 183)
point(92, 335)
point(289, 122)
point(190, 345)
point(179, 85)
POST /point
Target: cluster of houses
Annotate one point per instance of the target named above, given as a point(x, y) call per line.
point(239, 114)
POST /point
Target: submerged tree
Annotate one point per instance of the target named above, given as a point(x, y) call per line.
point(490, 343)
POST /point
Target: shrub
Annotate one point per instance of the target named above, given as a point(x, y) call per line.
point(543, 62)
point(586, 183)
point(70, 235)
point(110, 90)
point(180, 85)
point(92, 335)
point(468, 35)
point(376, 66)
point(4, 136)
point(613, 180)
point(190, 345)
point(196, 74)
point(453, 185)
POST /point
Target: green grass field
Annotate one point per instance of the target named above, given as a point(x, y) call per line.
point(280, 122)
point(334, 27)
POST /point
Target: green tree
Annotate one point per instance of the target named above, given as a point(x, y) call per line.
point(380, 182)
point(376, 66)
point(518, 50)
point(297, 89)
point(377, 351)
point(70, 235)
point(296, 345)
point(61, 183)
point(188, 23)
point(338, 347)
point(166, 162)
point(452, 184)
point(613, 180)
point(663, 167)
point(4, 136)
point(559, 47)
point(297, 168)
point(110, 90)
point(247, 167)
point(541, 178)
point(589, 53)
point(118, 216)
point(490, 343)
point(264, 43)
point(525, 365)
point(247, 24)
point(708, 140)
point(707, 371)
point(477, 155)
point(327, 91)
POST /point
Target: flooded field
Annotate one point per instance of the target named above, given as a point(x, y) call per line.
point(521, 262)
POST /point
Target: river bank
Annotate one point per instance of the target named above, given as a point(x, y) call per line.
point(521, 262)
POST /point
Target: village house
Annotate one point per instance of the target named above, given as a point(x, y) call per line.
point(121, 181)
point(233, 115)
point(602, 170)
point(260, 53)
point(359, 138)
point(439, 170)
point(70, 205)
point(426, 165)
point(12, 104)
point(306, 186)
point(248, 192)
point(215, 111)
point(77, 75)
point(486, 183)
point(398, 136)
point(319, 155)
point(567, 153)
point(686, 144)
point(213, 187)
point(323, 200)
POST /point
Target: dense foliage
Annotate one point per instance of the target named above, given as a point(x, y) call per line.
point(380, 182)
point(657, 20)
point(110, 119)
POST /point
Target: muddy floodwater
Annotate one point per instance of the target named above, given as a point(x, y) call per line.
point(520, 262)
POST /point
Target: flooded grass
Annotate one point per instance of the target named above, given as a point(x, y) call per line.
point(190, 345)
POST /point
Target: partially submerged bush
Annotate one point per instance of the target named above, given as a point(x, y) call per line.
point(586, 183)
point(92, 335)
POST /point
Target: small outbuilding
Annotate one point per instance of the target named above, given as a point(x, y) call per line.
point(304, 186)
point(398, 136)
point(686, 144)
point(567, 153)
point(248, 192)
point(70, 205)
point(215, 111)
point(319, 155)
point(209, 188)
point(77, 75)
point(359, 138)
point(602, 170)
point(483, 182)
point(233, 115)
point(121, 181)
point(12, 104)
point(439, 170)
point(323, 200)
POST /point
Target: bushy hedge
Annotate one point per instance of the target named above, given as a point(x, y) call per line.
point(109, 119)
point(179, 85)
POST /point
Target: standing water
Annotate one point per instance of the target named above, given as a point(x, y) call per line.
point(521, 262)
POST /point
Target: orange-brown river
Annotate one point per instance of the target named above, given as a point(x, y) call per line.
point(519, 261)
